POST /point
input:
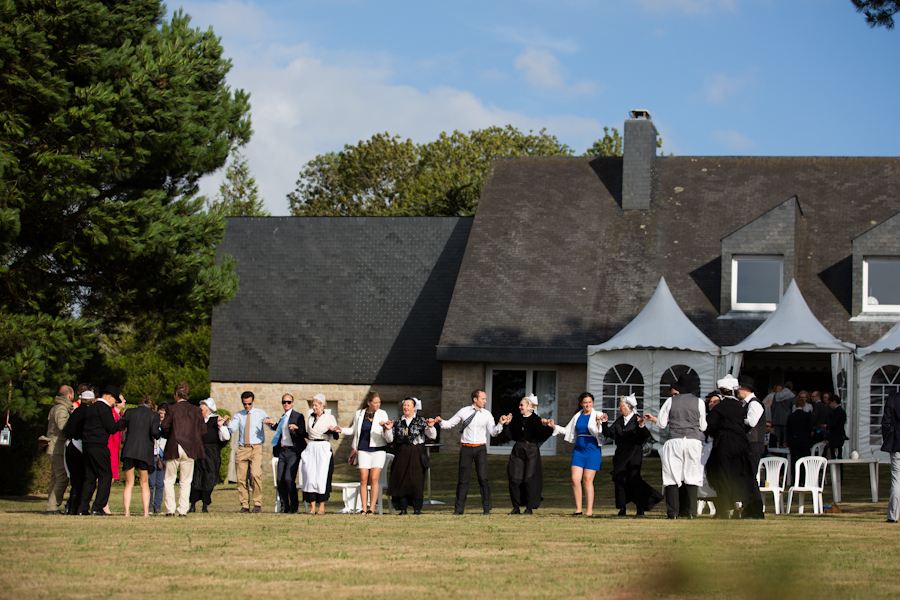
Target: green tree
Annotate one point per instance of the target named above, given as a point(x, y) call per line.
point(238, 195)
point(879, 13)
point(109, 115)
point(389, 176)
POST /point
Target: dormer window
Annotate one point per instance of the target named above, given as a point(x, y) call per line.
point(757, 282)
point(881, 285)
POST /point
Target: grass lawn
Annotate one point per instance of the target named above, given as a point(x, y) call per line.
point(547, 555)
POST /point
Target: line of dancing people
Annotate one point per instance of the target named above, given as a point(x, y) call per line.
point(183, 441)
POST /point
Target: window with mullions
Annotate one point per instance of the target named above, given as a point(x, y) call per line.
point(757, 282)
point(881, 285)
point(885, 381)
point(671, 376)
point(619, 381)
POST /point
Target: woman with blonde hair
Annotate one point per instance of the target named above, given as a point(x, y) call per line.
point(317, 460)
point(369, 447)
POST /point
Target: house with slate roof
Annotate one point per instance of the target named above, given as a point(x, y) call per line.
point(563, 253)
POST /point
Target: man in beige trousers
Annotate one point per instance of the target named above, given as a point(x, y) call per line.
point(183, 427)
point(56, 427)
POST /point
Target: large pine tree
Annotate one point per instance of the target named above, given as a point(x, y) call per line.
point(109, 115)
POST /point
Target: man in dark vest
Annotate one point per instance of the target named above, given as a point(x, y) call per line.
point(756, 434)
point(685, 416)
point(99, 424)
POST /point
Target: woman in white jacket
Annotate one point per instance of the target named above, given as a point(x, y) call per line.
point(584, 430)
point(369, 447)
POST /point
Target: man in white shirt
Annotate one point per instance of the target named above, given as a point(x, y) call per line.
point(476, 423)
point(248, 423)
point(756, 435)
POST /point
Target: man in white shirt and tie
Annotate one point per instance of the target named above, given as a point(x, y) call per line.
point(476, 423)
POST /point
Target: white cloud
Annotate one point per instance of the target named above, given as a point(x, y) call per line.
point(720, 87)
point(689, 7)
point(312, 105)
point(732, 140)
point(544, 71)
point(535, 37)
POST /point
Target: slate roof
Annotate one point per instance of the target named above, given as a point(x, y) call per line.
point(554, 264)
point(348, 300)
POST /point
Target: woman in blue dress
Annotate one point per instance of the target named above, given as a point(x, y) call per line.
point(584, 431)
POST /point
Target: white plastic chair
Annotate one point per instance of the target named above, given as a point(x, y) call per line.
point(814, 466)
point(351, 491)
point(818, 449)
point(775, 481)
point(275, 480)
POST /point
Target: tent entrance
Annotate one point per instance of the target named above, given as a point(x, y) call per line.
point(807, 370)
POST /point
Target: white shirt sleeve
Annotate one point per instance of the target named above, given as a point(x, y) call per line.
point(754, 412)
point(452, 421)
point(224, 434)
point(663, 418)
point(389, 435)
point(494, 429)
point(701, 406)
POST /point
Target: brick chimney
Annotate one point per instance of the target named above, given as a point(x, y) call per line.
point(639, 154)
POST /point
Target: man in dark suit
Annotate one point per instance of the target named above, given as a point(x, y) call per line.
point(183, 429)
point(890, 438)
point(99, 424)
point(287, 444)
point(799, 430)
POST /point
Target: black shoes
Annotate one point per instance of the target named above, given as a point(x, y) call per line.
point(244, 509)
point(193, 508)
point(621, 512)
point(457, 512)
point(99, 513)
point(206, 510)
point(890, 521)
point(402, 512)
point(515, 511)
point(257, 509)
point(527, 511)
point(487, 513)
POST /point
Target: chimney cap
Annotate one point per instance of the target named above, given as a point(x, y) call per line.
point(640, 114)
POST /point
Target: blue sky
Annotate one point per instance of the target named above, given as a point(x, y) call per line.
point(719, 77)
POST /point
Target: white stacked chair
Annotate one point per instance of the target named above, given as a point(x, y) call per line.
point(814, 467)
point(775, 468)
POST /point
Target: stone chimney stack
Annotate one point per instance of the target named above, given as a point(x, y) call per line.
point(639, 154)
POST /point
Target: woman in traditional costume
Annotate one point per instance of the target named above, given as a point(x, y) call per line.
point(630, 434)
point(526, 478)
point(729, 468)
point(408, 434)
point(583, 430)
point(317, 460)
point(206, 470)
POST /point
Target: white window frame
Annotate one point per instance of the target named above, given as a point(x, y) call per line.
point(876, 308)
point(548, 448)
point(764, 306)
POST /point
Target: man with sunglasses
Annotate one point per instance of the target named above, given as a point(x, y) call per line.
point(287, 444)
point(248, 423)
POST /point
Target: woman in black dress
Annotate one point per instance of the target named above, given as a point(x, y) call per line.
point(630, 434)
point(526, 478)
point(141, 425)
point(408, 433)
point(729, 468)
point(206, 470)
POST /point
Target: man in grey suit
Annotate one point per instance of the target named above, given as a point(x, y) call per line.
point(890, 437)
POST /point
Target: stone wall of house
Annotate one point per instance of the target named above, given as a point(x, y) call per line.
point(342, 401)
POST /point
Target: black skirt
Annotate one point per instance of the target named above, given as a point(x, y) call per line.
point(407, 476)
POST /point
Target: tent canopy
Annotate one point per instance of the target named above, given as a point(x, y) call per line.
point(662, 325)
point(792, 328)
point(889, 342)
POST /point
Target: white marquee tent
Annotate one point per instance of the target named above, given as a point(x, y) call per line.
point(657, 340)
point(878, 375)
